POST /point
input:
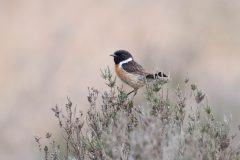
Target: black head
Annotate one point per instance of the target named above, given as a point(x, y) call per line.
point(120, 56)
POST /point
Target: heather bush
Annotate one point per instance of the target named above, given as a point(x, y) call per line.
point(179, 127)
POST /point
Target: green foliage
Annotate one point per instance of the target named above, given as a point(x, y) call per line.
point(182, 127)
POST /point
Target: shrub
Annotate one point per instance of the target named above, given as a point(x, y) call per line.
point(180, 127)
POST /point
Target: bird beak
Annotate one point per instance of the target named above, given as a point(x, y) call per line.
point(112, 55)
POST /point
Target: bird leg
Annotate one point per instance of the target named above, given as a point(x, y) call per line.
point(135, 92)
point(131, 92)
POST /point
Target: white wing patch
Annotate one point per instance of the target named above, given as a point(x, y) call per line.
point(125, 61)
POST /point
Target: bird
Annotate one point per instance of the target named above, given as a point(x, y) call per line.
point(133, 73)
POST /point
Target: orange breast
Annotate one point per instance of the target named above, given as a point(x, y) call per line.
point(134, 80)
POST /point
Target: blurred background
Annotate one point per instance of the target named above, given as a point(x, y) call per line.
point(51, 49)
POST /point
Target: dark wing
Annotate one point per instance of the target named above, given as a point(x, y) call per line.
point(134, 68)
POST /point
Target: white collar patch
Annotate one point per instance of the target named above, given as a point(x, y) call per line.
point(125, 61)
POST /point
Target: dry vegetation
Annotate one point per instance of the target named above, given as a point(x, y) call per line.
point(180, 128)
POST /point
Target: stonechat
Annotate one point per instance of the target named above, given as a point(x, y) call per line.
point(131, 72)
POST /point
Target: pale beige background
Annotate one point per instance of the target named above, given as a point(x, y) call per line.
point(50, 49)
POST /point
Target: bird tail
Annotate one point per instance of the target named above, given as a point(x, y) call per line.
point(159, 76)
